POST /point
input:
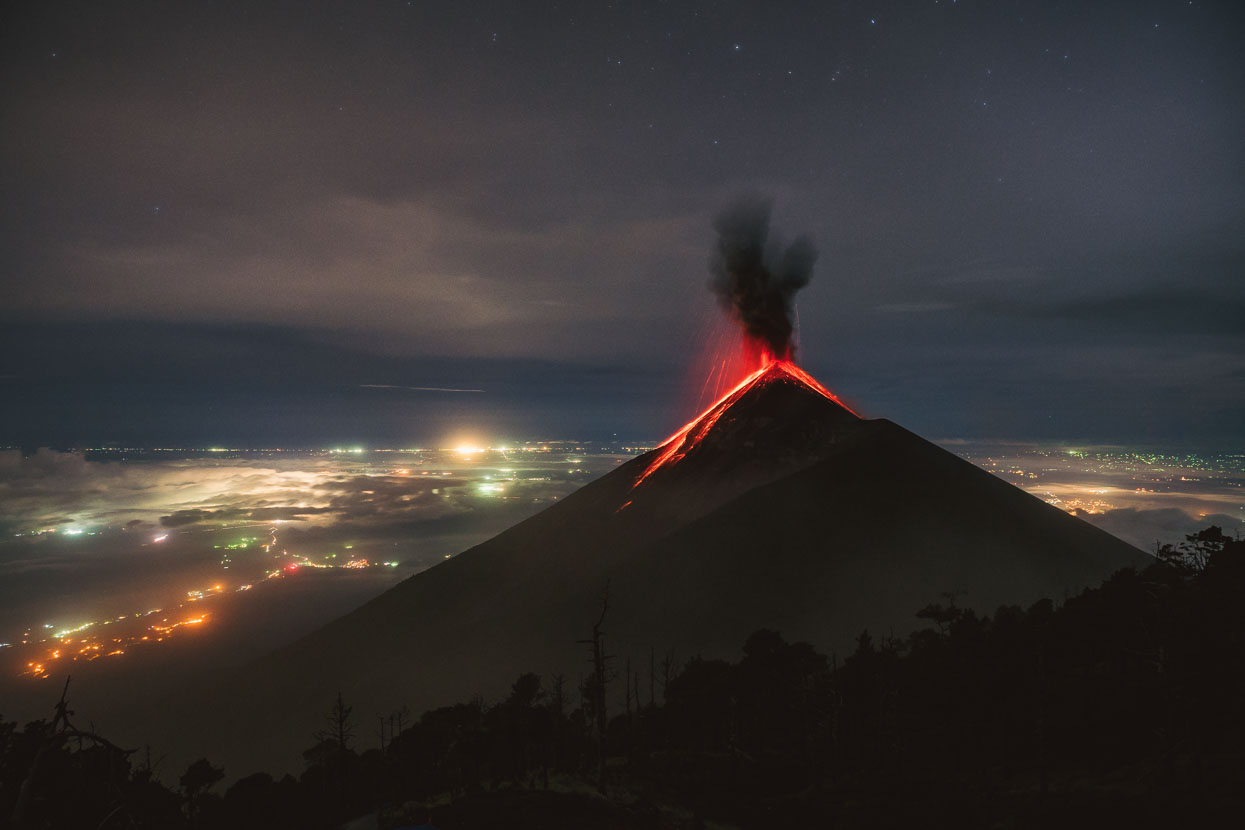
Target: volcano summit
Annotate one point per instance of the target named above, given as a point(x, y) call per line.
point(778, 507)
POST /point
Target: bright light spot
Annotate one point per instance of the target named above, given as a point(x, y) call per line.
point(468, 450)
point(73, 531)
point(160, 538)
point(73, 630)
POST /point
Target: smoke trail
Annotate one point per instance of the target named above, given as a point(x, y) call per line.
point(755, 277)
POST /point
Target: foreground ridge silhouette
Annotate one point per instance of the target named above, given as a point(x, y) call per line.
point(1073, 716)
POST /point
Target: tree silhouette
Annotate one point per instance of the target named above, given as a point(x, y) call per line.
point(198, 778)
point(594, 688)
point(1119, 706)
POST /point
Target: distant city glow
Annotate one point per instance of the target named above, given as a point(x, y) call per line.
point(112, 637)
point(188, 509)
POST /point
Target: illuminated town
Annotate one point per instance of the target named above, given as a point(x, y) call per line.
point(318, 493)
point(43, 648)
point(1095, 480)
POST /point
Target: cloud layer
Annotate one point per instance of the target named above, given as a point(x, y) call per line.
point(1038, 215)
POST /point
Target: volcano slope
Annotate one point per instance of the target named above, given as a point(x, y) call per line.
point(778, 508)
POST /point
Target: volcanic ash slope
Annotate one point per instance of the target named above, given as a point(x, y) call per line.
point(779, 508)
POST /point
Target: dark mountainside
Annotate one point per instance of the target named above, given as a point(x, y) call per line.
point(783, 510)
point(1119, 707)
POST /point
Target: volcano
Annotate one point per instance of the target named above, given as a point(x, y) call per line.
point(778, 507)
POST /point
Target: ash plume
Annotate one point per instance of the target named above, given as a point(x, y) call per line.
point(756, 277)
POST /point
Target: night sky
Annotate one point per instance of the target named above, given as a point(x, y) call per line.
point(264, 223)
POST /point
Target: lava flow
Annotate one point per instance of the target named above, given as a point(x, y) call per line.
point(772, 369)
point(755, 278)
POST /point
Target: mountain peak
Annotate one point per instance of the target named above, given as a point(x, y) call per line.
point(777, 409)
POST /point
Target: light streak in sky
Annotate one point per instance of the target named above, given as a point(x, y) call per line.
point(415, 388)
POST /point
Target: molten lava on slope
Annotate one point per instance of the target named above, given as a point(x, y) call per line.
point(755, 385)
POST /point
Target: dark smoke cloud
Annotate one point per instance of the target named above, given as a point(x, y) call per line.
point(755, 277)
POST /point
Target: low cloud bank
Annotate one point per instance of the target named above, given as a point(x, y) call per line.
point(1147, 529)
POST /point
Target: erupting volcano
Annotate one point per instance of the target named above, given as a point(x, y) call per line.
point(755, 278)
point(774, 371)
point(777, 507)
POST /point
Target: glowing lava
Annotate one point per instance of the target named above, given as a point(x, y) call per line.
point(678, 445)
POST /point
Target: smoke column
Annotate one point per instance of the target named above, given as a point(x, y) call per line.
point(755, 277)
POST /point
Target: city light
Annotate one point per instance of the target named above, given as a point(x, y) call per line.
point(1084, 480)
point(91, 640)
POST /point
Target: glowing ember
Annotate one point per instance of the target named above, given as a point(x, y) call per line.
point(678, 445)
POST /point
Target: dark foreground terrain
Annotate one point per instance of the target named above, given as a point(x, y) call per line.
point(1122, 706)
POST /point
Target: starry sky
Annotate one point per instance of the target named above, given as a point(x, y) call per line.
point(300, 223)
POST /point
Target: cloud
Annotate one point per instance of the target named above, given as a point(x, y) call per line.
point(410, 274)
point(58, 489)
point(187, 517)
point(1147, 528)
point(1162, 313)
point(182, 518)
point(915, 308)
point(50, 488)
